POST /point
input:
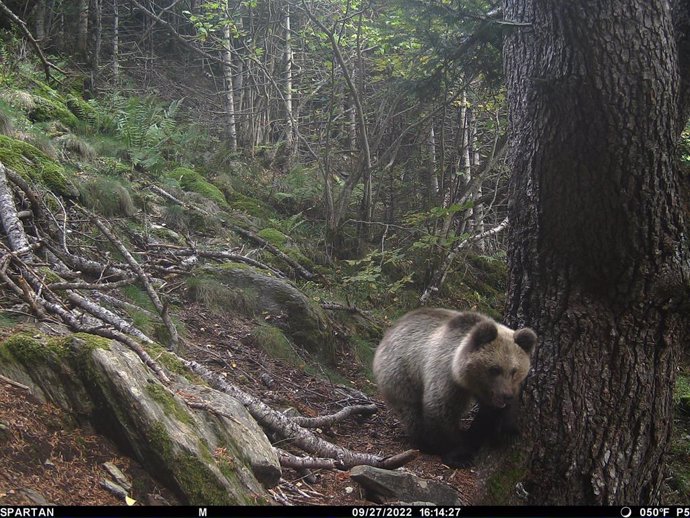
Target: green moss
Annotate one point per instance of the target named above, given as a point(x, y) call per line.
point(171, 407)
point(191, 473)
point(276, 344)
point(172, 363)
point(500, 485)
point(28, 349)
point(273, 236)
point(33, 164)
point(218, 297)
point(251, 206)
point(48, 275)
point(112, 166)
point(8, 320)
point(92, 342)
point(191, 180)
point(52, 109)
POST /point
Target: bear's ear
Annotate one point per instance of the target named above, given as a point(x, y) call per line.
point(481, 334)
point(526, 339)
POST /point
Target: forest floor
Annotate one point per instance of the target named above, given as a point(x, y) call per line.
point(43, 458)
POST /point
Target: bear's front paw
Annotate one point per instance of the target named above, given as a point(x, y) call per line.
point(458, 458)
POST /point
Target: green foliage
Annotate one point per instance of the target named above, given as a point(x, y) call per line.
point(251, 206)
point(148, 129)
point(300, 189)
point(107, 196)
point(112, 167)
point(191, 180)
point(373, 275)
point(681, 395)
point(273, 236)
point(678, 484)
point(81, 109)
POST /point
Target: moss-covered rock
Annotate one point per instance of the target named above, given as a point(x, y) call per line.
point(103, 383)
point(272, 340)
point(35, 165)
point(52, 109)
point(191, 180)
point(281, 303)
point(251, 206)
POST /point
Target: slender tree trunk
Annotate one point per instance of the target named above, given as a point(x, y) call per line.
point(291, 130)
point(40, 20)
point(597, 256)
point(82, 27)
point(229, 88)
point(115, 64)
point(431, 180)
point(97, 41)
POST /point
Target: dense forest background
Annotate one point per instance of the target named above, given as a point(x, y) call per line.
point(363, 150)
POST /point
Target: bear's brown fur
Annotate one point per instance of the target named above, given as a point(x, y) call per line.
point(433, 363)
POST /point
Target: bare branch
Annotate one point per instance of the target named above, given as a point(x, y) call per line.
point(328, 420)
point(298, 436)
point(47, 65)
point(155, 299)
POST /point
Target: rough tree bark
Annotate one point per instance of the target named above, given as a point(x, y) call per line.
point(598, 259)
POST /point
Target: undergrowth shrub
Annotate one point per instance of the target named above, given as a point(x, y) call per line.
point(107, 196)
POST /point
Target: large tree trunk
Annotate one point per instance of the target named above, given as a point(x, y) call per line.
point(597, 251)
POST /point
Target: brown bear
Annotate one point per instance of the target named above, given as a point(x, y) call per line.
point(433, 364)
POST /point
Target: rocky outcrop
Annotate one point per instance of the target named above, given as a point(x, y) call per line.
point(381, 485)
point(282, 304)
point(210, 458)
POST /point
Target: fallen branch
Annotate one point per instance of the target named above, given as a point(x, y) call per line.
point(8, 213)
point(162, 310)
point(127, 306)
point(81, 264)
point(300, 437)
point(107, 316)
point(56, 286)
point(299, 269)
point(17, 180)
point(288, 460)
point(328, 420)
point(14, 383)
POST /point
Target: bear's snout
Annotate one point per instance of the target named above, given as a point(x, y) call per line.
point(503, 399)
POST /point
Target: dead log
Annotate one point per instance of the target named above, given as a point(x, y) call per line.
point(8, 214)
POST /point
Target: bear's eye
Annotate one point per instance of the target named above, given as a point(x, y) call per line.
point(513, 371)
point(495, 371)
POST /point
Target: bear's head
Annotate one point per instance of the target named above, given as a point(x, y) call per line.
point(492, 361)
